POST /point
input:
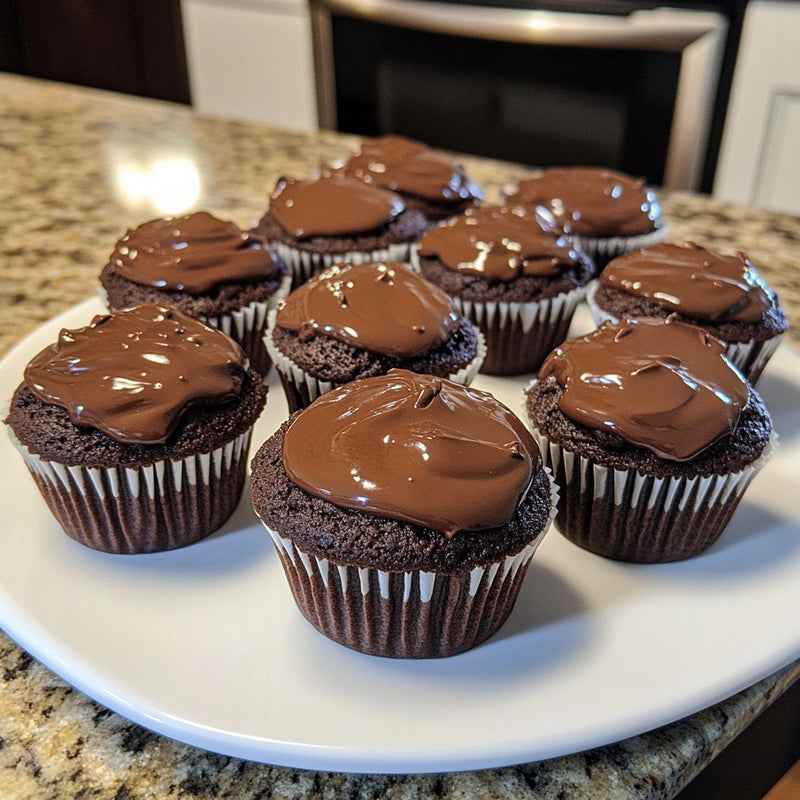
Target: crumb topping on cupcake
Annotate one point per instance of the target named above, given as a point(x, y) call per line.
point(592, 202)
point(415, 448)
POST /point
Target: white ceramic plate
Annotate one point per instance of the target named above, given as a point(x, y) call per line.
point(205, 644)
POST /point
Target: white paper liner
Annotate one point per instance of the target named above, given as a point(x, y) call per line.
point(325, 591)
point(605, 493)
point(519, 336)
point(601, 249)
point(160, 506)
point(750, 357)
point(309, 388)
point(305, 265)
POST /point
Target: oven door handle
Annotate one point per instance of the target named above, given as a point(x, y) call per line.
point(665, 29)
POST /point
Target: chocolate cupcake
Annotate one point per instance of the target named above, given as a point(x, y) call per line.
point(358, 321)
point(723, 294)
point(607, 212)
point(136, 428)
point(431, 181)
point(405, 510)
point(652, 436)
point(205, 267)
point(513, 275)
point(332, 219)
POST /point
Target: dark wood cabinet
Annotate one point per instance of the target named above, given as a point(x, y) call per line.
point(131, 46)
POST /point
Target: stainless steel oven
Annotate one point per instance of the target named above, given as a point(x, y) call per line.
point(591, 82)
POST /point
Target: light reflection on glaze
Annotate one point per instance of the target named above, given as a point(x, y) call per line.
point(692, 280)
point(382, 307)
point(133, 373)
point(332, 206)
point(659, 384)
point(499, 244)
point(415, 448)
point(592, 202)
point(192, 254)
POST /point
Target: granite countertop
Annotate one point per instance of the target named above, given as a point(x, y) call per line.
point(79, 167)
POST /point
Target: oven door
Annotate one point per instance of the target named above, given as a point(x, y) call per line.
point(633, 91)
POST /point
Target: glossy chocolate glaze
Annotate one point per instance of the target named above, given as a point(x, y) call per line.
point(592, 202)
point(411, 167)
point(415, 448)
point(332, 206)
point(132, 374)
point(499, 244)
point(659, 384)
point(191, 254)
point(382, 307)
point(693, 281)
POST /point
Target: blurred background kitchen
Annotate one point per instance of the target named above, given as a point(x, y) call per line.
point(691, 94)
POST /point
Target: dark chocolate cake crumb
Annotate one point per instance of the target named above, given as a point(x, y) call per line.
point(408, 226)
point(523, 289)
point(331, 360)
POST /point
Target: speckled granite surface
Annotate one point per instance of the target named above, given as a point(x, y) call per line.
point(78, 168)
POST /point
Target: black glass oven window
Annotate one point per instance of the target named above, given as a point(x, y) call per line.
point(543, 106)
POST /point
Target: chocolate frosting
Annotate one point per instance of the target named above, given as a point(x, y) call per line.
point(382, 307)
point(332, 206)
point(415, 448)
point(191, 254)
point(659, 384)
point(592, 202)
point(131, 374)
point(410, 167)
point(692, 280)
point(499, 244)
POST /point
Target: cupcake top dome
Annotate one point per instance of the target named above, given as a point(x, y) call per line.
point(500, 243)
point(382, 307)
point(132, 374)
point(415, 448)
point(663, 385)
point(191, 254)
point(590, 201)
point(692, 281)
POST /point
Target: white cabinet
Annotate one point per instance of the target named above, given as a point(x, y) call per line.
point(759, 160)
point(251, 60)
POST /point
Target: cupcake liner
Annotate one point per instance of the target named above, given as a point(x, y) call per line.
point(302, 389)
point(246, 325)
point(146, 509)
point(519, 336)
point(305, 264)
point(750, 357)
point(414, 614)
point(628, 516)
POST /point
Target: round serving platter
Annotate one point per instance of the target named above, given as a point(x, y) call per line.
point(206, 646)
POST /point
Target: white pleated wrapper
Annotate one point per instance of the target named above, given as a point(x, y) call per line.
point(750, 357)
point(305, 265)
point(306, 388)
point(604, 509)
point(415, 614)
point(161, 506)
